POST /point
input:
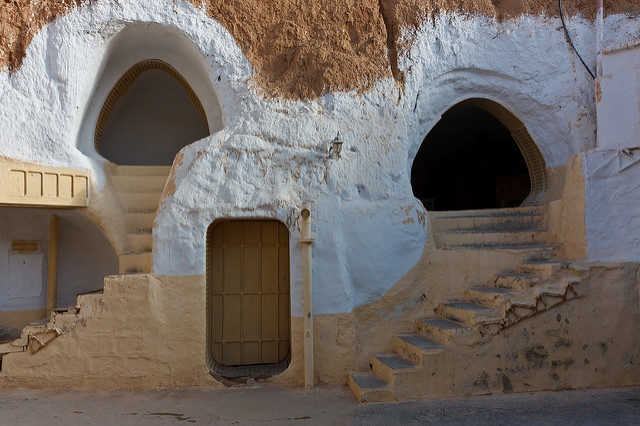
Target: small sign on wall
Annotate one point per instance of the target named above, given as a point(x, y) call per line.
point(25, 246)
point(26, 261)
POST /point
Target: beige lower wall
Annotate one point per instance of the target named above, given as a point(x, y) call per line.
point(142, 331)
point(556, 183)
point(567, 214)
point(149, 331)
point(590, 341)
point(19, 319)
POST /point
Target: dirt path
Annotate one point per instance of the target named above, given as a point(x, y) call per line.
point(262, 404)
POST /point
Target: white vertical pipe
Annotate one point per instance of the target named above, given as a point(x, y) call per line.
point(307, 296)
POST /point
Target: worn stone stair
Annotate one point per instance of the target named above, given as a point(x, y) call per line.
point(38, 334)
point(531, 282)
point(522, 228)
point(483, 311)
point(139, 189)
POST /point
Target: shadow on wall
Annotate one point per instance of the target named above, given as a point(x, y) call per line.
point(85, 257)
point(150, 114)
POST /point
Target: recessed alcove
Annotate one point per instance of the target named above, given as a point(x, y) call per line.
point(149, 115)
point(151, 95)
point(478, 156)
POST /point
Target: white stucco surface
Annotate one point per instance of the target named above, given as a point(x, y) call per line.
point(619, 106)
point(272, 156)
point(612, 204)
point(85, 257)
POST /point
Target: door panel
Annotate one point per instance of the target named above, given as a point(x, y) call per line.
point(248, 281)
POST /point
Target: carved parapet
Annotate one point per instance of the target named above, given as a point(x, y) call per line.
point(33, 185)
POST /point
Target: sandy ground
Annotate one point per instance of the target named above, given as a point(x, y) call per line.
point(267, 404)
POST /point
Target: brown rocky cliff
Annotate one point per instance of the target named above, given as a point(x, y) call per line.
point(304, 48)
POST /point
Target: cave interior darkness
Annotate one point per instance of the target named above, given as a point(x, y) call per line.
point(469, 161)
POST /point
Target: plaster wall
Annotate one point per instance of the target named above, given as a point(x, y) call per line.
point(612, 172)
point(612, 204)
point(85, 257)
point(148, 330)
point(566, 213)
point(619, 97)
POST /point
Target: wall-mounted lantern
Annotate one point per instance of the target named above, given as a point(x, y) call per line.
point(336, 147)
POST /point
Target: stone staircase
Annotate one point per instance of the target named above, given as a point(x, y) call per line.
point(516, 228)
point(139, 189)
point(38, 334)
point(534, 284)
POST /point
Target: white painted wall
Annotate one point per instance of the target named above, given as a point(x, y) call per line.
point(23, 286)
point(619, 106)
point(612, 171)
point(271, 155)
point(612, 204)
point(85, 257)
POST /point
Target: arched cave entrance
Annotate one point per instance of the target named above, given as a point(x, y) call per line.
point(149, 115)
point(478, 156)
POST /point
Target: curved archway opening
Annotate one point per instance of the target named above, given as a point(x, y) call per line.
point(478, 156)
point(148, 116)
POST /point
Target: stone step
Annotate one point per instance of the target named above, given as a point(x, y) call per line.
point(510, 238)
point(538, 251)
point(135, 263)
point(489, 223)
point(137, 184)
point(137, 222)
point(115, 170)
point(370, 388)
point(9, 347)
point(510, 211)
point(491, 297)
point(559, 288)
point(140, 202)
point(468, 313)
point(388, 365)
point(414, 347)
point(516, 280)
point(541, 268)
point(138, 242)
point(444, 331)
point(553, 293)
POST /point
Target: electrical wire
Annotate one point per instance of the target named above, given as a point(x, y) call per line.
point(566, 32)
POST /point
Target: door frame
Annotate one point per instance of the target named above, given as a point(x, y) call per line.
point(241, 371)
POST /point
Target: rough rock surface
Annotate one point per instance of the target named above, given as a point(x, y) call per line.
point(305, 48)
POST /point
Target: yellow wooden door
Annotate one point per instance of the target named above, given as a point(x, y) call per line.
point(249, 290)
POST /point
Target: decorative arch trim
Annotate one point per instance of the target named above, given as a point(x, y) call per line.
point(533, 157)
point(126, 81)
